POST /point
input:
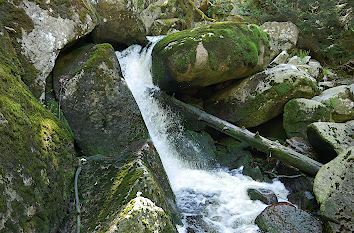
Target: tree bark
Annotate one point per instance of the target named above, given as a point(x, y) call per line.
point(273, 148)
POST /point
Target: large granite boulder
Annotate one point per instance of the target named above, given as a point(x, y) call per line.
point(36, 154)
point(330, 139)
point(283, 35)
point(340, 100)
point(333, 187)
point(96, 101)
point(261, 97)
point(299, 113)
point(208, 55)
point(111, 190)
point(123, 22)
point(40, 29)
point(284, 217)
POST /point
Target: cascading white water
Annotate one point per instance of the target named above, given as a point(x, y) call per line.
point(210, 200)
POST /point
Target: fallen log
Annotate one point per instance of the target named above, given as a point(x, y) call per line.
point(272, 148)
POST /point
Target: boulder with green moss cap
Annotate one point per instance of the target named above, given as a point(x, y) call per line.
point(299, 113)
point(36, 154)
point(96, 101)
point(40, 29)
point(333, 188)
point(109, 188)
point(208, 55)
point(261, 97)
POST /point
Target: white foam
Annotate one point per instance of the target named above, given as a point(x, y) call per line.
point(210, 201)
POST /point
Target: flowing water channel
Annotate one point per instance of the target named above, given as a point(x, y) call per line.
point(210, 200)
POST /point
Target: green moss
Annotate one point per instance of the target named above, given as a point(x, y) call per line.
point(33, 142)
point(283, 88)
point(231, 47)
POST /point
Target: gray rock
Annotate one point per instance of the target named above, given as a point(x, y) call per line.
point(283, 35)
point(299, 113)
point(96, 100)
point(264, 195)
point(280, 59)
point(127, 193)
point(340, 100)
point(315, 69)
point(261, 97)
point(295, 60)
point(128, 22)
point(330, 139)
point(284, 217)
point(333, 187)
point(40, 30)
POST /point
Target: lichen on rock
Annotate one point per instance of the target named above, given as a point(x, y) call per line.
point(40, 30)
point(333, 187)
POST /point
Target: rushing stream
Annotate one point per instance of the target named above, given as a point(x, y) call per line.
point(209, 200)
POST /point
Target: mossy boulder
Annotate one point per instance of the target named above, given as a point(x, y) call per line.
point(96, 101)
point(261, 97)
point(284, 217)
point(208, 55)
point(109, 187)
point(36, 154)
point(330, 139)
point(333, 187)
point(40, 29)
point(340, 100)
point(142, 215)
point(299, 113)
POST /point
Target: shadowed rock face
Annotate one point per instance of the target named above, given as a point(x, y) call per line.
point(330, 139)
point(284, 217)
point(261, 97)
point(36, 154)
point(40, 29)
point(96, 101)
point(208, 55)
point(333, 187)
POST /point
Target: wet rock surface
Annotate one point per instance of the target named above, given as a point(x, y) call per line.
point(96, 101)
point(264, 195)
point(284, 217)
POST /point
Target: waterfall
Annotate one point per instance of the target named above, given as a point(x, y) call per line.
point(213, 200)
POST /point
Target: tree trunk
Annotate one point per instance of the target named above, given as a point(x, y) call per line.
point(273, 148)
